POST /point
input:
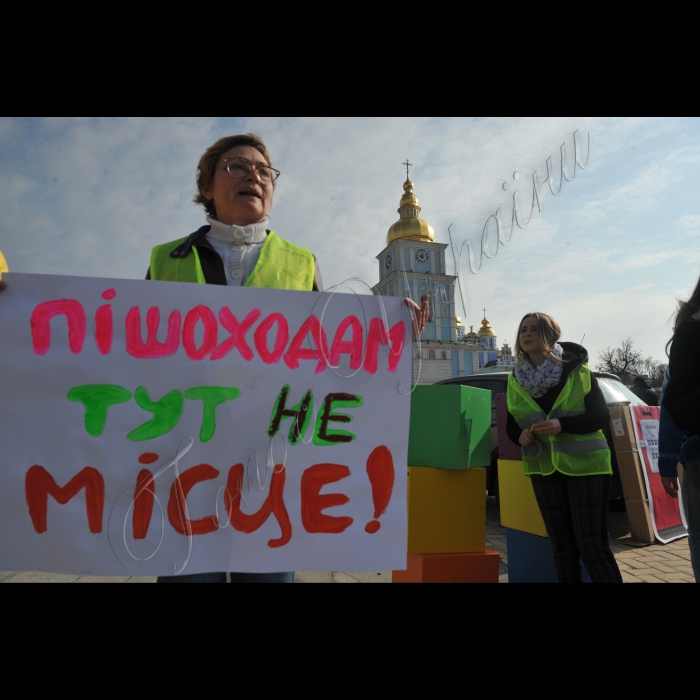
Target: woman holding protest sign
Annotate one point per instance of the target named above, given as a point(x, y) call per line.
point(235, 185)
point(556, 413)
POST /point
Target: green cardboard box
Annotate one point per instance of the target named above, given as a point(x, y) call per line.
point(450, 428)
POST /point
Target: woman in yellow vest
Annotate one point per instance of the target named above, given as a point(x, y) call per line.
point(235, 185)
point(557, 413)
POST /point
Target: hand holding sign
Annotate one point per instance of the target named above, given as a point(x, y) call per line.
point(420, 316)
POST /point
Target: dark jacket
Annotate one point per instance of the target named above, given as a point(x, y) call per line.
point(597, 414)
point(671, 439)
point(213, 265)
point(646, 394)
point(682, 397)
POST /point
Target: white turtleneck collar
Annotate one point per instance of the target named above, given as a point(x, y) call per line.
point(254, 233)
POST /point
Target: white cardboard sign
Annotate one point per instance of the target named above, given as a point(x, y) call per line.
point(152, 428)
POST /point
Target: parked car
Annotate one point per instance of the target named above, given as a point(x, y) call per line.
point(615, 392)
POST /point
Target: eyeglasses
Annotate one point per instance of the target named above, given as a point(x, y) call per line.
point(240, 167)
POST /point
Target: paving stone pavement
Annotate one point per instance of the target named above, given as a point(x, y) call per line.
point(655, 563)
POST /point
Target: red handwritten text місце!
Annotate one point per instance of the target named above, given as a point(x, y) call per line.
point(39, 485)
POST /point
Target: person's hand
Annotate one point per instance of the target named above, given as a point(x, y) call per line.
point(420, 316)
point(526, 439)
point(3, 285)
point(670, 485)
point(550, 427)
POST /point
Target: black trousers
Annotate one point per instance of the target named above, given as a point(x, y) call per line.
point(575, 511)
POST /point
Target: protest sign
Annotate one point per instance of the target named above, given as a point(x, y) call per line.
point(151, 428)
point(667, 515)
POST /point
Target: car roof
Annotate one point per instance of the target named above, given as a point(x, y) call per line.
point(477, 377)
point(606, 375)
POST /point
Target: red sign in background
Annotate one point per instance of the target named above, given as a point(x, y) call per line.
point(666, 513)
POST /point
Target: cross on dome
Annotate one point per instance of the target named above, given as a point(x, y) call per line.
point(410, 226)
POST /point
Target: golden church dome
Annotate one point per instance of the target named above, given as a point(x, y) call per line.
point(459, 321)
point(486, 331)
point(410, 226)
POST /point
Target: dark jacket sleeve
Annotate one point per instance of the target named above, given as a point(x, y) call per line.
point(318, 280)
point(682, 398)
point(596, 417)
point(513, 430)
point(671, 439)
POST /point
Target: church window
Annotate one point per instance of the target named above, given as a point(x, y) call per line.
point(444, 355)
point(432, 354)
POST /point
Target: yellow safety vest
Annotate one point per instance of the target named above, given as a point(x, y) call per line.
point(282, 265)
point(573, 455)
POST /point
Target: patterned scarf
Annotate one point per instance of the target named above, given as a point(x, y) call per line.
point(537, 381)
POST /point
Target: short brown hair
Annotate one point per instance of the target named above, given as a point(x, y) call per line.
point(549, 333)
point(206, 170)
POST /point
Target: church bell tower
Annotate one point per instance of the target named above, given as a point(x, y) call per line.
point(413, 265)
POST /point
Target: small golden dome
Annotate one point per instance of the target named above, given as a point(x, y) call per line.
point(3, 265)
point(459, 321)
point(486, 331)
point(410, 226)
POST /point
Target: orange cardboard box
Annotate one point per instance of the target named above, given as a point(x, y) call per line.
point(446, 511)
point(480, 567)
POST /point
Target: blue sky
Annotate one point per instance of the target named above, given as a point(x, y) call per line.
point(608, 258)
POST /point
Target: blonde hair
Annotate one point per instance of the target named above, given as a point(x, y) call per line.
point(206, 170)
point(549, 333)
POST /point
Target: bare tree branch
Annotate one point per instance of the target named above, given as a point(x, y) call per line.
point(624, 361)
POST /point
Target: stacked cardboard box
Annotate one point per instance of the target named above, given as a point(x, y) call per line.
point(530, 553)
point(449, 448)
point(530, 556)
point(630, 467)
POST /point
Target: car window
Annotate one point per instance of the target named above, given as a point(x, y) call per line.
point(617, 392)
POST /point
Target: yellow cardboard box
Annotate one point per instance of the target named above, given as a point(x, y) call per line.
point(519, 509)
point(446, 511)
